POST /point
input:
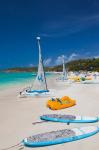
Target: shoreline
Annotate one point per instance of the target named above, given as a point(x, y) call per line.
point(24, 80)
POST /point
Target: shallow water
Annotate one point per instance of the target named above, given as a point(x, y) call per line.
point(18, 77)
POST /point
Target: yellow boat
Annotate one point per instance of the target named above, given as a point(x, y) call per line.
point(78, 79)
point(75, 78)
point(57, 103)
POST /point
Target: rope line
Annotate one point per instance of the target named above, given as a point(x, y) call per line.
point(16, 145)
point(34, 123)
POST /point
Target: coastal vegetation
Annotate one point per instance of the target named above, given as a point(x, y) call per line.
point(75, 65)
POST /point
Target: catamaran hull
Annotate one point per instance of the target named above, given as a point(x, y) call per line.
point(37, 94)
point(90, 82)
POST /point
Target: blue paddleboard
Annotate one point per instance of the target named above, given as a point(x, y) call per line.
point(60, 136)
point(68, 118)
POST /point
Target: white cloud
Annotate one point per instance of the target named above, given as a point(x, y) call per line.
point(59, 59)
point(72, 56)
point(47, 61)
point(96, 56)
point(31, 65)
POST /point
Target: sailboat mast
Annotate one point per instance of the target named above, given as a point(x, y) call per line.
point(63, 65)
point(64, 70)
point(40, 66)
point(40, 56)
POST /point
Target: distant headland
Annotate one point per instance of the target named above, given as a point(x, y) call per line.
point(75, 65)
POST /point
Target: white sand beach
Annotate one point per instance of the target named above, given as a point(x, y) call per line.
point(17, 115)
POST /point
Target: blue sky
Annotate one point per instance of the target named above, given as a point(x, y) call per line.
point(66, 27)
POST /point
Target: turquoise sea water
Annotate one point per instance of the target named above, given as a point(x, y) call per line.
point(19, 77)
point(13, 78)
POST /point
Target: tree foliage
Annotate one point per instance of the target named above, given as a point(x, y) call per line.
point(75, 65)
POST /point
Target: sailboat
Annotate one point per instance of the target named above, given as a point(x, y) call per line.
point(64, 72)
point(39, 87)
point(64, 77)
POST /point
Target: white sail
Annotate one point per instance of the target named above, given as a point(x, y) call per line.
point(40, 82)
point(64, 76)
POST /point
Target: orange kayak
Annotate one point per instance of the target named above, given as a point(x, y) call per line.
point(57, 103)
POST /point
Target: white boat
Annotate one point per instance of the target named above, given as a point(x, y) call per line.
point(93, 81)
point(64, 77)
point(39, 87)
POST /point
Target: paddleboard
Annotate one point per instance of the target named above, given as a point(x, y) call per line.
point(60, 136)
point(68, 118)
